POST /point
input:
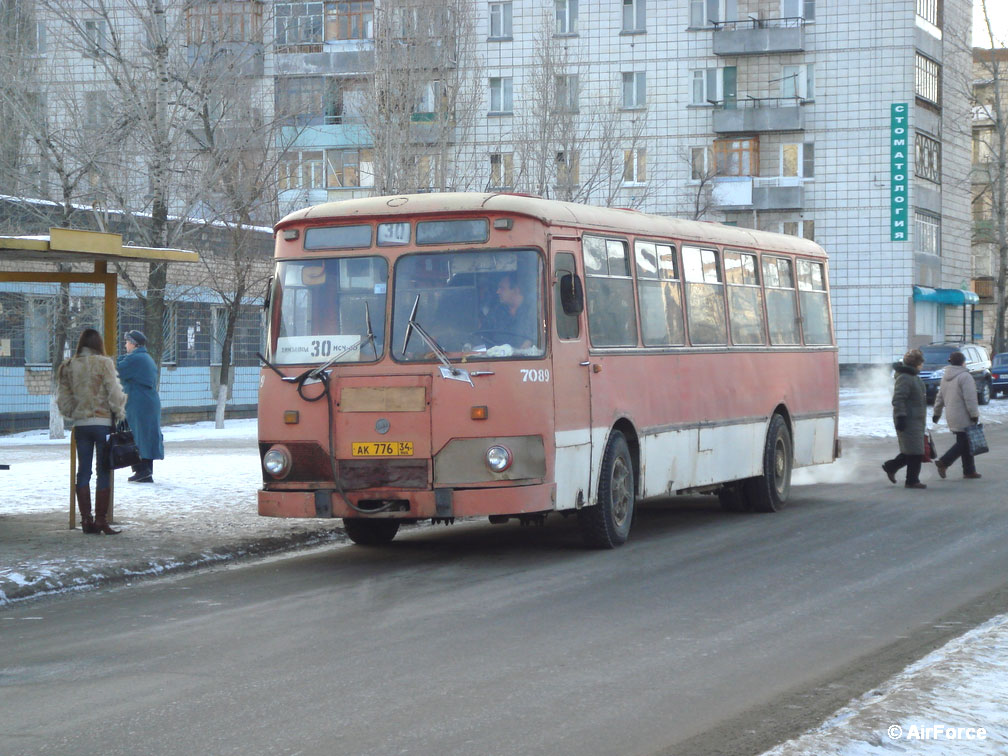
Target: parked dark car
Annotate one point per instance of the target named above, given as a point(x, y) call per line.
point(977, 362)
point(999, 374)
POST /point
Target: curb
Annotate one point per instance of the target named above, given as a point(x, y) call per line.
point(78, 580)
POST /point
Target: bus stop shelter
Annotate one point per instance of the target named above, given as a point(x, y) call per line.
point(62, 245)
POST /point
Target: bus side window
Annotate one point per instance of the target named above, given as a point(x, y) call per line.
point(659, 294)
point(611, 317)
point(704, 296)
point(567, 326)
point(782, 310)
point(745, 298)
point(814, 302)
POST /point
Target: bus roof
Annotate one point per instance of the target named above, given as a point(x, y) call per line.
point(553, 212)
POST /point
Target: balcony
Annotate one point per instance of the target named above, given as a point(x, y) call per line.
point(759, 114)
point(759, 36)
point(758, 193)
point(983, 287)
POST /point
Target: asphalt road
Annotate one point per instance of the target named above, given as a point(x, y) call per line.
point(707, 633)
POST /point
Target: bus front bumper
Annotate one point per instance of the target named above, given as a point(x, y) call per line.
point(442, 502)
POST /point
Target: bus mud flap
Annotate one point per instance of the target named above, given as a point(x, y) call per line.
point(323, 502)
point(443, 502)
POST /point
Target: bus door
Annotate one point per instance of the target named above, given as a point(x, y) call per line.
point(571, 387)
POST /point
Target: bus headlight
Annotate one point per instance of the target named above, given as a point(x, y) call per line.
point(277, 462)
point(499, 458)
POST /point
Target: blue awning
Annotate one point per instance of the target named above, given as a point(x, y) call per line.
point(944, 296)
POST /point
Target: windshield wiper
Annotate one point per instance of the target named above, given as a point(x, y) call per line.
point(368, 336)
point(447, 370)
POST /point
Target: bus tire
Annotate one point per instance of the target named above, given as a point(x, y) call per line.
point(370, 532)
point(607, 524)
point(769, 492)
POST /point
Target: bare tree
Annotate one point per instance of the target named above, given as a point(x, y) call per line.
point(423, 95)
point(573, 139)
point(53, 145)
point(990, 178)
point(696, 198)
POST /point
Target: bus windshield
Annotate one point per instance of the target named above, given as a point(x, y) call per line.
point(328, 308)
point(476, 305)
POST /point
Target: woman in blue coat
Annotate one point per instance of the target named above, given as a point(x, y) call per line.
point(138, 374)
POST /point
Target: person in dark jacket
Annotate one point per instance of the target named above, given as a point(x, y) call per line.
point(89, 393)
point(909, 403)
point(138, 374)
point(958, 395)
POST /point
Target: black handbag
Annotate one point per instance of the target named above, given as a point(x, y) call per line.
point(977, 440)
point(122, 449)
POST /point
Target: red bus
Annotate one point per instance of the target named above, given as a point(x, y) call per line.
point(439, 356)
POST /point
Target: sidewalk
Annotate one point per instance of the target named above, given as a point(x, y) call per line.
point(200, 510)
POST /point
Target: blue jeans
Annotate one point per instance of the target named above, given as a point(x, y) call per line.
point(92, 443)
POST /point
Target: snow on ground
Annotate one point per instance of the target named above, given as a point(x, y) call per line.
point(933, 707)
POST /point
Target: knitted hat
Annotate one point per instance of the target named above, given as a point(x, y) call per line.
point(136, 337)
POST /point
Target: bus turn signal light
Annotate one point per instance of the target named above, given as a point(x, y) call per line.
point(292, 417)
point(479, 413)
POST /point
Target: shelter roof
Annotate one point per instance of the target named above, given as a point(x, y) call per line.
point(63, 245)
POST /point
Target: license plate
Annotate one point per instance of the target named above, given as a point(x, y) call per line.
point(382, 448)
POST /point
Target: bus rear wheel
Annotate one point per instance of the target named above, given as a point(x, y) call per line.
point(607, 524)
point(370, 532)
point(769, 492)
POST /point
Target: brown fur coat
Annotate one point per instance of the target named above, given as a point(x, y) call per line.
point(88, 387)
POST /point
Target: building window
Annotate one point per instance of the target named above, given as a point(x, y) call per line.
point(348, 168)
point(927, 158)
point(96, 32)
point(298, 27)
point(713, 86)
point(229, 21)
point(703, 12)
point(634, 89)
point(301, 170)
point(736, 157)
point(567, 93)
point(803, 228)
point(349, 20)
point(566, 16)
point(634, 166)
point(797, 160)
point(930, 11)
point(798, 82)
point(927, 82)
point(568, 169)
point(500, 94)
point(927, 227)
point(501, 170)
point(500, 20)
point(804, 9)
point(634, 19)
point(700, 159)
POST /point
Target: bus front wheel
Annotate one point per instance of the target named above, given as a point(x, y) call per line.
point(769, 492)
point(607, 524)
point(370, 532)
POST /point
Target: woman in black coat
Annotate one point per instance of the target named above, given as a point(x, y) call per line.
point(909, 403)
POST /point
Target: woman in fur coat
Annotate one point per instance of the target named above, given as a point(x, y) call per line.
point(89, 394)
point(909, 403)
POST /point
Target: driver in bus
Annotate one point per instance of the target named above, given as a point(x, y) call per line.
point(513, 318)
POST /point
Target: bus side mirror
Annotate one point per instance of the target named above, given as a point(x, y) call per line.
point(571, 294)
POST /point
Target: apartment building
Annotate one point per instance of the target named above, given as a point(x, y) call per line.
point(990, 70)
point(840, 122)
point(837, 121)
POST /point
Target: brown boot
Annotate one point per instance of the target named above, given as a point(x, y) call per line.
point(87, 524)
point(101, 512)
